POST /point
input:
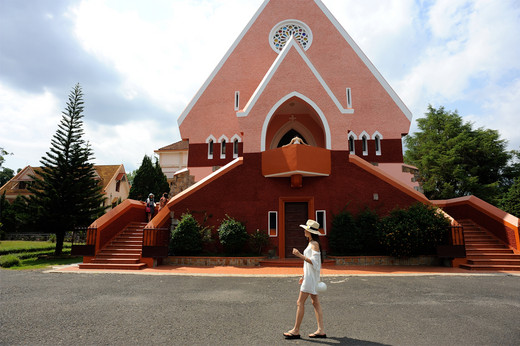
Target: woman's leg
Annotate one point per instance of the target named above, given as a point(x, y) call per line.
point(300, 311)
point(319, 314)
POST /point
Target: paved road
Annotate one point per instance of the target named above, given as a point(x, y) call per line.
point(38, 308)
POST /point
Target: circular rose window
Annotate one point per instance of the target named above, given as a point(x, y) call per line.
point(281, 33)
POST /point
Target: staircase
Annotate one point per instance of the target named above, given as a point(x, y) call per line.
point(485, 252)
point(124, 252)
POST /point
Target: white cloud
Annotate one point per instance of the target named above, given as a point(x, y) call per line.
point(165, 60)
point(127, 143)
point(28, 123)
point(470, 52)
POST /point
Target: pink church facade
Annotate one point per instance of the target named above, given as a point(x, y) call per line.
point(294, 123)
point(293, 72)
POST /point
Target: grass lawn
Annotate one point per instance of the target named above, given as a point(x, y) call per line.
point(28, 252)
point(22, 245)
point(36, 263)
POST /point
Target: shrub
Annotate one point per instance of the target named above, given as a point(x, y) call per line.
point(233, 235)
point(258, 240)
point(186, 237)
point(345, 237)
point(367, 222)
point(8, 261)
point(413, 231)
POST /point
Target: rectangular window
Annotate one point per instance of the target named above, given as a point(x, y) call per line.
point(235, 148)
point(237, 100)
point(273, 223)
point(364, 145)
point(349, 98)
point(378, 145)
point(351, 146)
point(223, 149)
point(321, 218)
point(210, 149)
point(118, 184)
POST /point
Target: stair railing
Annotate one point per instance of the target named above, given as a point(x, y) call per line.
point(156, 242)
point(84, 241)
point(455, 247)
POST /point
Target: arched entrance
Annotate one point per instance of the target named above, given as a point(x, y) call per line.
point(295, 115)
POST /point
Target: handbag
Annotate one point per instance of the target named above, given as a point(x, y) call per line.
point(148, 209)
point(321, 287)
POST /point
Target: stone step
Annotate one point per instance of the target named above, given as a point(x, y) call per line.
point(478, 242)
point(109, 254)
point(484, 246)
point(490, 267)
point(115, 260)
point(137, 266)
point(483, 255)
point(494, 261)
point(476, 251)
point(115, 249)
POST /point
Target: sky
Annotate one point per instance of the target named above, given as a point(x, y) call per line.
point(139, 64)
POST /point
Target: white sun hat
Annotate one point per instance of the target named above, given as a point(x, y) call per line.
point(311, 226)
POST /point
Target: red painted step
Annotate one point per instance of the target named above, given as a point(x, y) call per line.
point(124, 252)
point(485, 252)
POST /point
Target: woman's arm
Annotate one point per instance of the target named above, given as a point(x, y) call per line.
point(300, 255)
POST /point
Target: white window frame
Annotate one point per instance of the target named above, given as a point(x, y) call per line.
point(324, 226)
point(352, 135)
point(269, 228)
point(211, 146)
point(223, 140)
point(237, 100)
point(235, 139)
point(364, 142)
point(349, 98)
point(377, 137)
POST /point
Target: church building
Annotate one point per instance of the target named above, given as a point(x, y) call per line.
point(295, 122)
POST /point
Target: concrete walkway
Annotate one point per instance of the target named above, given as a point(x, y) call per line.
point(231, 271)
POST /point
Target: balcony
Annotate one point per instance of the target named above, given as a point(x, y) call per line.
point(296, 160)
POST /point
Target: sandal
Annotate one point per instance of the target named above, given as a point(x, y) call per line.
point(289, 335)
point(319, 336)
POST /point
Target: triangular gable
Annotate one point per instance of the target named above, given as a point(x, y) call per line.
point(25, 174)
point(220, 64)
point(366, 61)
point(342, 32)
point(267, 78)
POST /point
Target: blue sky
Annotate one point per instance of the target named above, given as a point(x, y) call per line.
point(140, 63)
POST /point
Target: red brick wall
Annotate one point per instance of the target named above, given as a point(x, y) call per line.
point(247, 196)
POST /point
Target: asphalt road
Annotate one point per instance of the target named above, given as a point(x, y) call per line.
point(38, 308)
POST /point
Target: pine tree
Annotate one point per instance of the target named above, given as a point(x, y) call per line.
point(65, 192)
point(149, 178)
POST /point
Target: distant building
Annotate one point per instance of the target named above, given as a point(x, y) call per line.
point(111, 177)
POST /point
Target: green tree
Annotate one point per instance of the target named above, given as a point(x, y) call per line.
point(149, 178)
point(511, 200)
point(65, 192)
point(2, 158)
point(6, 174)
point(456, 160)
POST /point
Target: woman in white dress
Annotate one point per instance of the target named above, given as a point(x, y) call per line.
point(312, 258)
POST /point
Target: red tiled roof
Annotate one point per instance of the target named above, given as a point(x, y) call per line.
point(181, 145)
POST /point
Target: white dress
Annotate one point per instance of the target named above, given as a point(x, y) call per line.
point(311, 272)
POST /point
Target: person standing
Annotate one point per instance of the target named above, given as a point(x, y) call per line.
point(312, 259)
point(163, 201)
point(150, 207)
